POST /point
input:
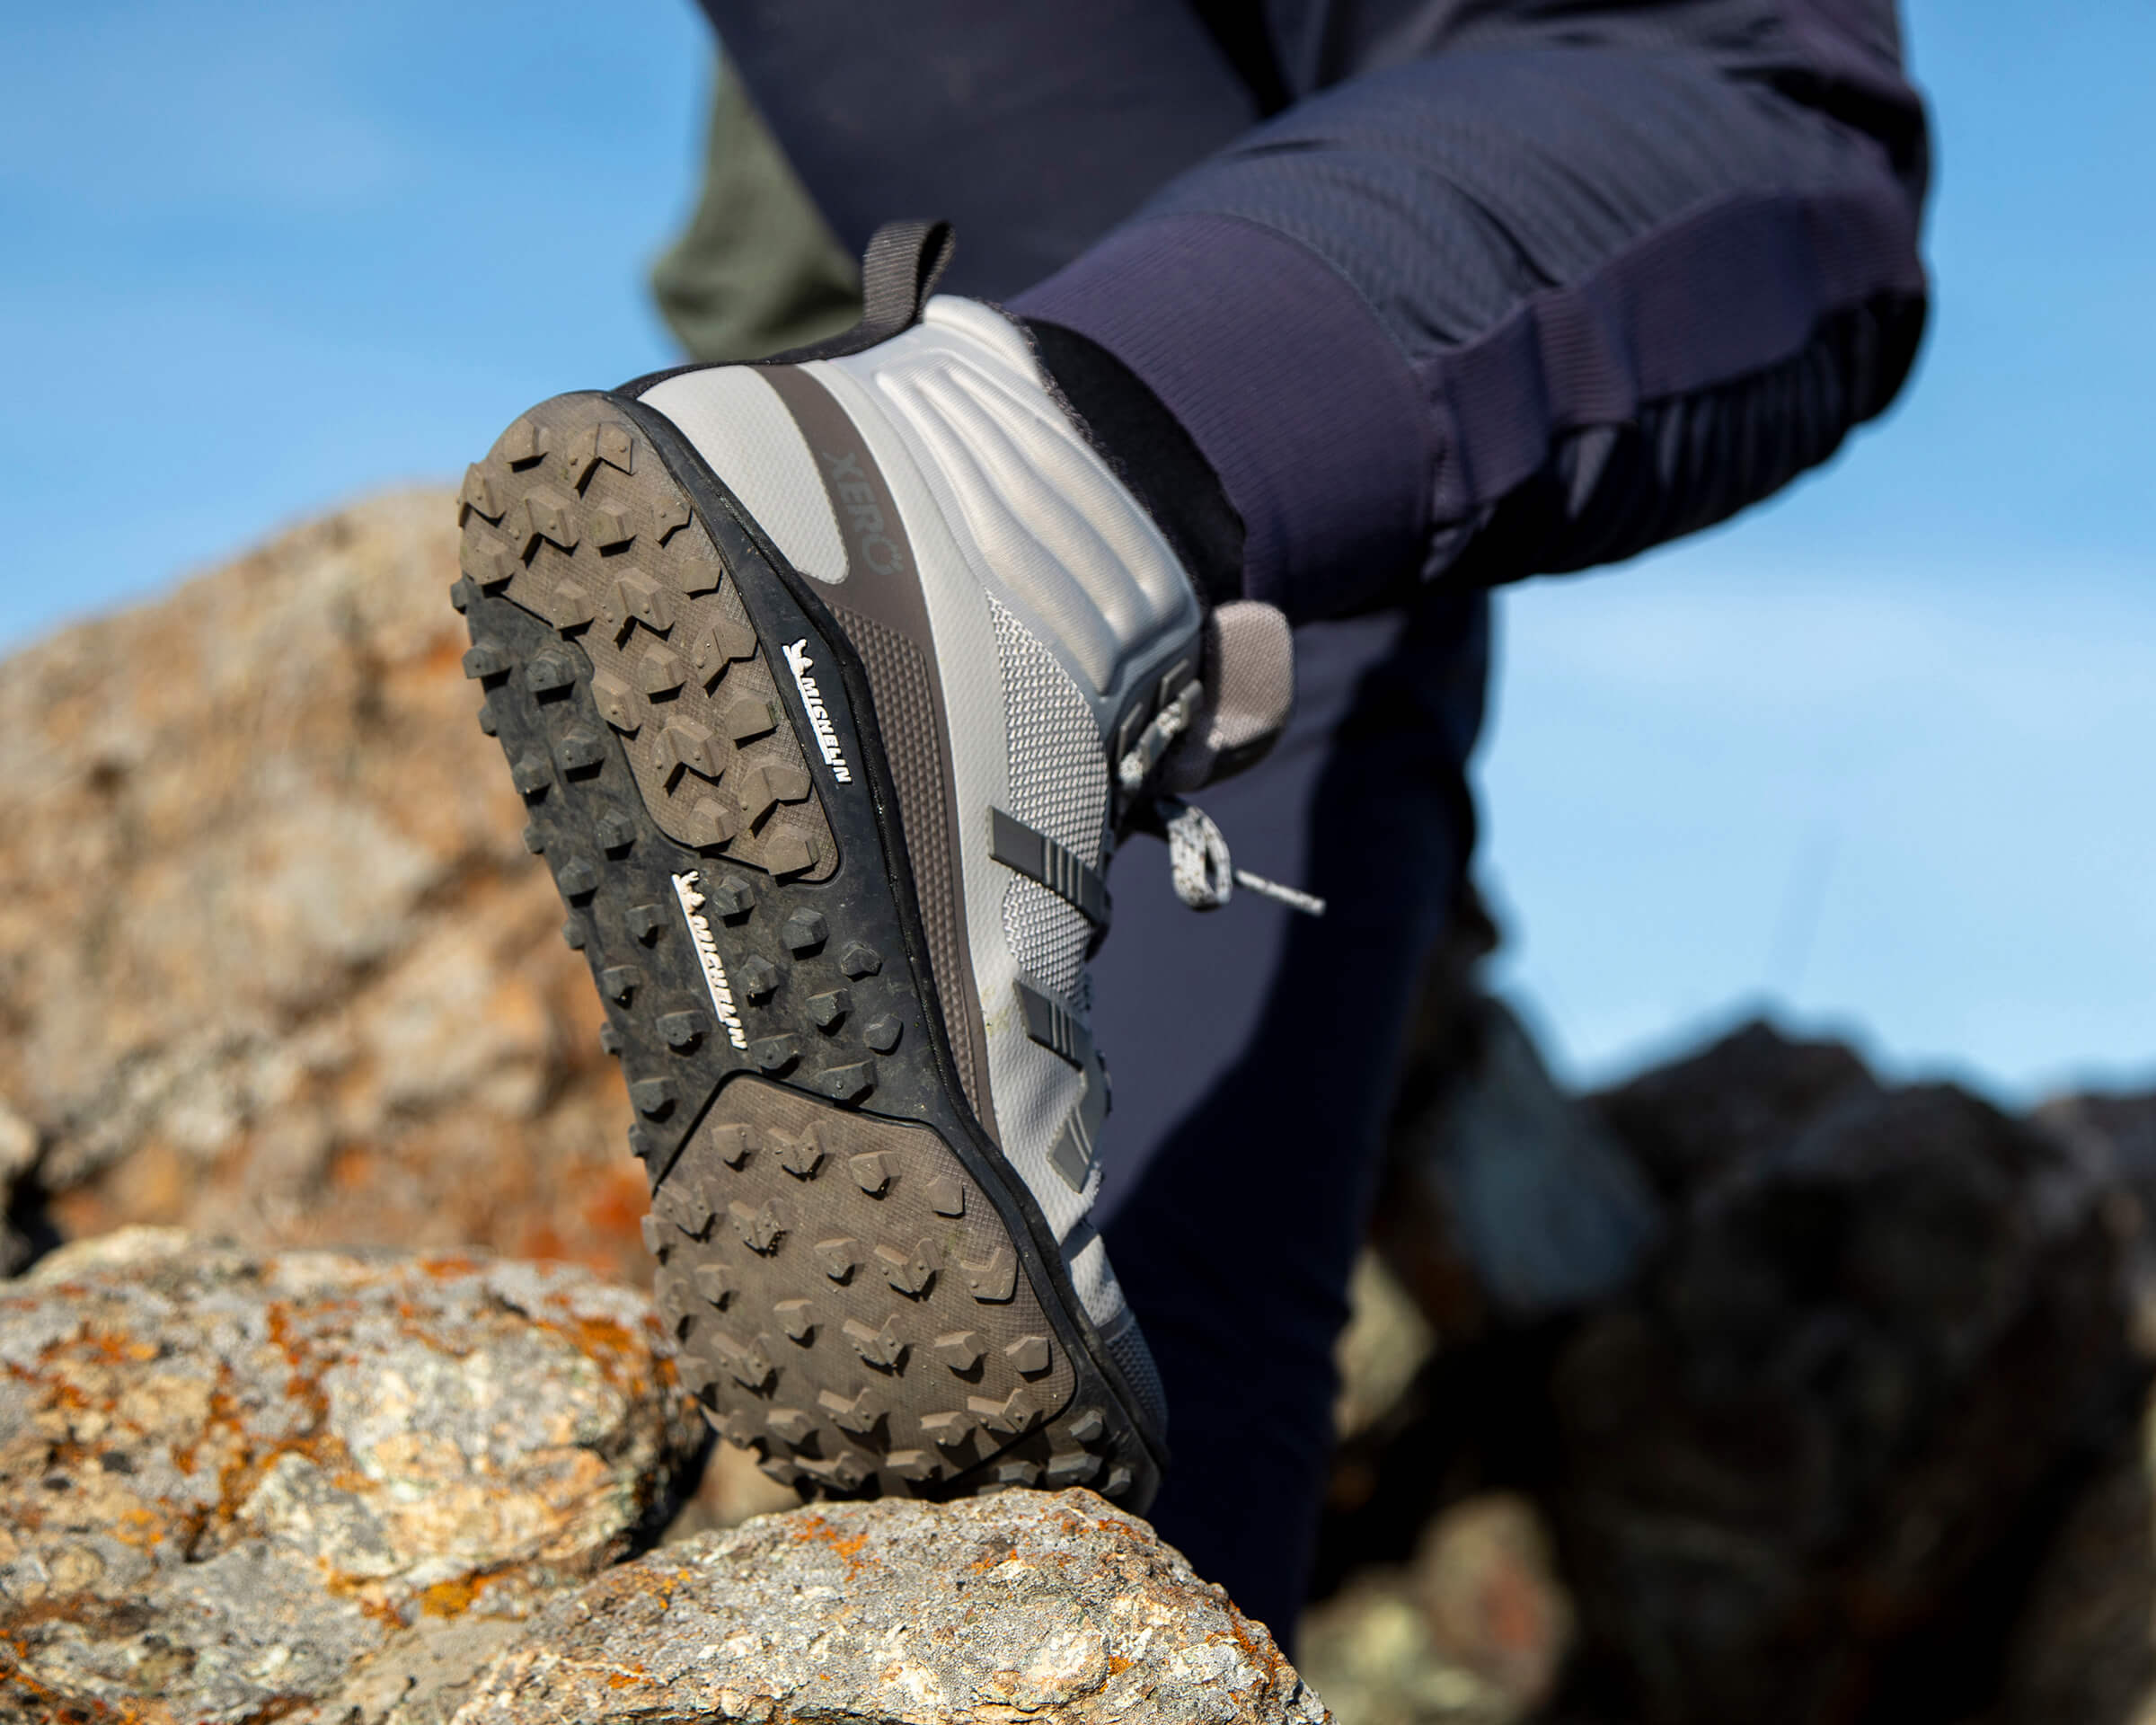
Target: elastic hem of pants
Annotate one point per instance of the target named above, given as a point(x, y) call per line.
point(1721, 294)
point(1281, 372)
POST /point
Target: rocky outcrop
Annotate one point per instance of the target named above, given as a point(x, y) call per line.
point(370, 1490)
point(275, 968)
point(1821, 1392)
point(1506, 1200)
point(227, 1478)
point(1028, 1606)
point(1731, 1105)
point(272, 962)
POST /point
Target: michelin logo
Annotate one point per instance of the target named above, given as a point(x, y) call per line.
point(707, 955)
point(819, 718)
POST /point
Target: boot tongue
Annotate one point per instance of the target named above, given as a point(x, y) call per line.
point(1249, 671)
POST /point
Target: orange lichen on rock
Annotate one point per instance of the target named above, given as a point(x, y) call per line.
point(1022, 1605)
point(291, 1459)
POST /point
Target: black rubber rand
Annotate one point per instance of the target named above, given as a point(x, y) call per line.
point(860, 1290)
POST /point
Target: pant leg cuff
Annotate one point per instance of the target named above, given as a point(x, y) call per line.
point(1286, 381)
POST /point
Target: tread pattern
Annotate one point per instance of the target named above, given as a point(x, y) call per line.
point(557, 520)
point(847, 1300)
point(847, 1294)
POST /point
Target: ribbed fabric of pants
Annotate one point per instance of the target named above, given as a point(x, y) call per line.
point(1449, 292)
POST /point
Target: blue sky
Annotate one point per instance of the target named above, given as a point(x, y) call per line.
point(1877, 757)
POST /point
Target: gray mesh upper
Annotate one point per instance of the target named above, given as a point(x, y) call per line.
point(1059, 786)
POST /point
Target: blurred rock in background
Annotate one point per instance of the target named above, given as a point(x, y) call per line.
point(1803, 1470)
point(274, 964)
point(1474, 1628)
point(1505, 1200)
point(2083, 1651)
point(1858, 1440)
point(1753, 1389)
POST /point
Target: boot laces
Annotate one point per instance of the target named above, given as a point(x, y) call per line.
point(1198, 863)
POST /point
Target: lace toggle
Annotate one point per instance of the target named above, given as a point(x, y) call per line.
point(1205, 875)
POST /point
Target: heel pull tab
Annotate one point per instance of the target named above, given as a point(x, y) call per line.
point(898, 272)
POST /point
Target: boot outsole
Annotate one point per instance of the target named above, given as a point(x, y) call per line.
point(861, 1289)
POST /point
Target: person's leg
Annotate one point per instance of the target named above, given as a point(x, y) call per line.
point(1529, 306)
point(1244, 1192)
point(1384, 720)
point(1532, 304)
point(1525, 307)
point(1033, 129)
point(1173, 1031)
point(757, 268)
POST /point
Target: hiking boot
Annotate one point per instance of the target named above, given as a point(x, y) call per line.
point(828, 686)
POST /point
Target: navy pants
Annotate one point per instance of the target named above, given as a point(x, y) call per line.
point(1449, 293)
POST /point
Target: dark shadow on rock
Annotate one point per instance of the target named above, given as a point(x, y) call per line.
point(2083, 1652)
point(27, 1230)
point(1477, 1418)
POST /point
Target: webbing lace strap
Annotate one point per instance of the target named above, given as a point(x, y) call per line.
point(1076, 1144)
point(898, 272)
point(1034, 854)
point(1053, 1026)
